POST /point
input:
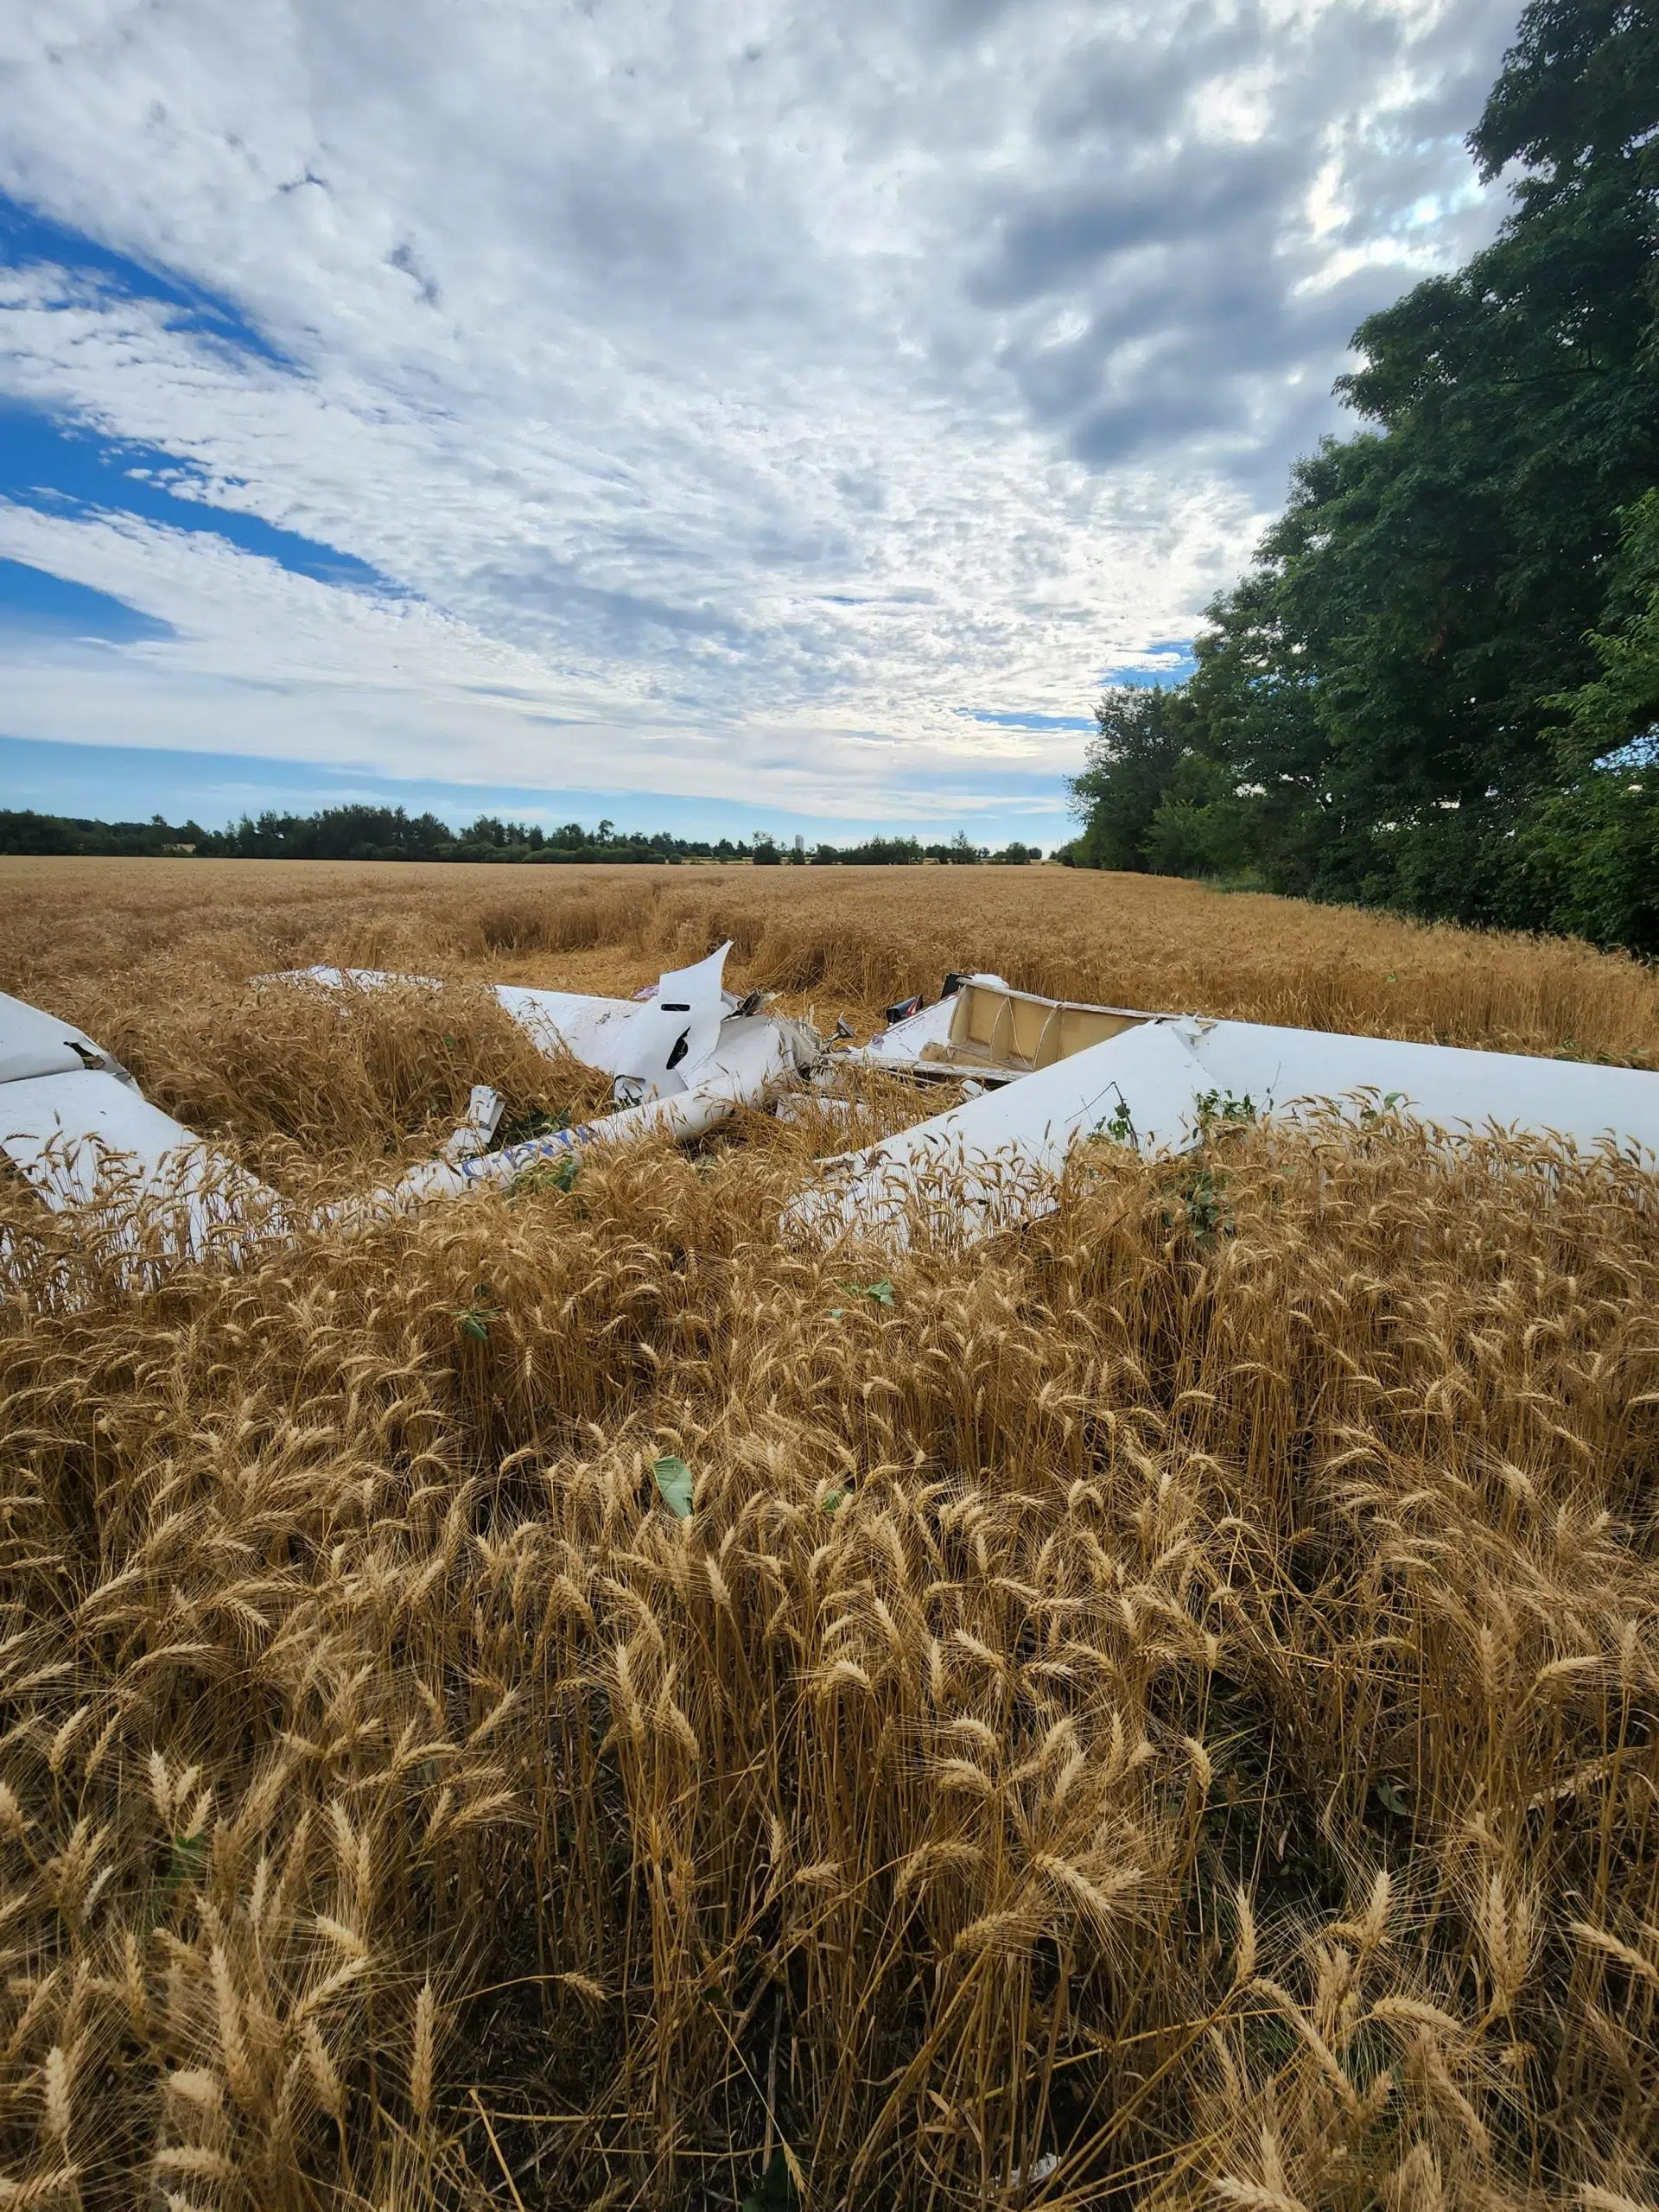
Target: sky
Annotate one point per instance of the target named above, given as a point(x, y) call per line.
point(713, 414)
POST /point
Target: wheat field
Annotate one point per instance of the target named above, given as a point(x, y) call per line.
point(1159, 1711)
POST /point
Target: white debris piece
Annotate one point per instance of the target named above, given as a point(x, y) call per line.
point(35, 1044)
point(77, 1129)
point(349, 979)
point(754, 1056)
point(1026, 2178)
point(1448, 1086)
point(672, 1033)
point(570, 1021)
point(652, 1044)
point(62, 1131)
point(995, 1161)
point(484, 1110)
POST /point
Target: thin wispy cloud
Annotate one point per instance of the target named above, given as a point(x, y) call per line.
point(795, 404)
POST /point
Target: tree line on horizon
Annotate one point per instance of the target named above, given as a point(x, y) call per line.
point(1436, 687)
point(390, 833)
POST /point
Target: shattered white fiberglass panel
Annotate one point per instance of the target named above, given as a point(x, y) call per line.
point(673, 1031)
point(902, 1042)
point(994, 1160)
point(139, 1185)
point(59, 1130)
point(485, 1108)
point(34, 1043)
point(1448, 1086)
point(652, 1044)
point(79, 1132)
point(755, 1055)
point(569, 1021)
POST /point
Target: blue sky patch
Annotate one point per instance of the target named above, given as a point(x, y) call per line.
point(60, 469)
point(30, 239)
point(1029, 721)
point(35, 601)
point(1179, 664)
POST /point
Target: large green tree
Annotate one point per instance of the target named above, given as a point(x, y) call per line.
point(1594, 841)
point(1130, 762)
point(1374, 701)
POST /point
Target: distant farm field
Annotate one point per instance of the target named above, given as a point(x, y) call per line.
point(856, 937)
point(1157, 1710)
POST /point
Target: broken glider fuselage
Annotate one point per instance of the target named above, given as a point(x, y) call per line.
point(1037, 1077)
point(684, 1056)
point(1064, 1072)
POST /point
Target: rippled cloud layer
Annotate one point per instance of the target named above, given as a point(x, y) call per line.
point(750, 400)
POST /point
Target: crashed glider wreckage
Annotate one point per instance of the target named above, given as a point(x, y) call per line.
point(74, 1125)
point(1035, 1078)
point(1151, 1085)
point(683, 1057)
point(652, 1045)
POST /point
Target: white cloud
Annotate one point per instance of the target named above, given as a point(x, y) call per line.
point(751, 389)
